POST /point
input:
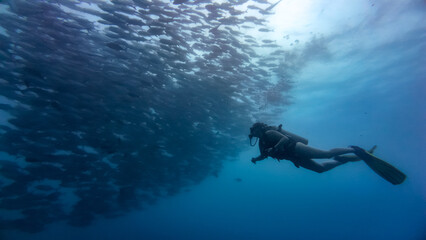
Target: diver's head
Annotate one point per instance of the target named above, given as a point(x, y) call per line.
point(257, 131)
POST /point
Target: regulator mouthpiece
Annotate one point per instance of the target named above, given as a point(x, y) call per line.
point(251, 137)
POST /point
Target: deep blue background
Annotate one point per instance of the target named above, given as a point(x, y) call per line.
point(364, 96)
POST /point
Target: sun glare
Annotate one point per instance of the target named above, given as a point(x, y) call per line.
point(292, 17)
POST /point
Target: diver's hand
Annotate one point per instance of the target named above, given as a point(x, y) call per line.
point(253, 160)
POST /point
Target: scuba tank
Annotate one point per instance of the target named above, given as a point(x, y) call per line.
point(293, 136)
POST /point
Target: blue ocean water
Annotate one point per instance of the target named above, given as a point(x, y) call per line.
point(174, 162)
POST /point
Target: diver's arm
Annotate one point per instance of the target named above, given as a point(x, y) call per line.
point(281, 143)
point(280, 138)
point(262, 155)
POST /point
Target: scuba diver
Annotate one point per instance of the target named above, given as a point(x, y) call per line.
point(277, 143)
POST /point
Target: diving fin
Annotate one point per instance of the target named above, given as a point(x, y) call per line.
point(384, 169)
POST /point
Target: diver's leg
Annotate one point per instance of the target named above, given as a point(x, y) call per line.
point(352, 158)
point(305, 151)
point(319, 167)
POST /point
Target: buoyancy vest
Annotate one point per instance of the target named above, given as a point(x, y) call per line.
point(288, 153)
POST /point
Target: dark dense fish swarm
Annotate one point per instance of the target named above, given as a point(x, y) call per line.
point(111, 105)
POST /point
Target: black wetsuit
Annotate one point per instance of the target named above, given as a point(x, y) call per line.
point(287, 154)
